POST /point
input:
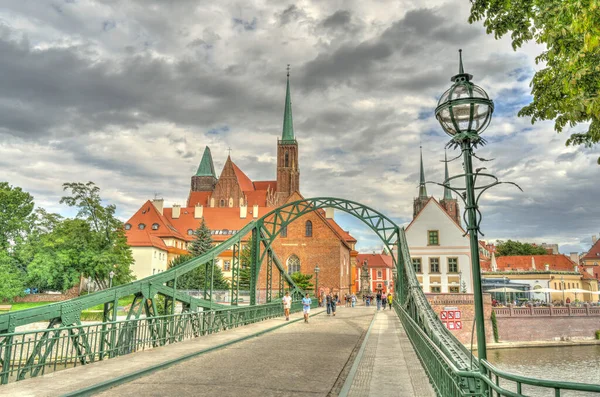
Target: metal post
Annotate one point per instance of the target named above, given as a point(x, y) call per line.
point(473, 236)
point(254, 265)
point(401, 271)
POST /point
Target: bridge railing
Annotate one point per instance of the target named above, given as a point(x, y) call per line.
point(61, 351)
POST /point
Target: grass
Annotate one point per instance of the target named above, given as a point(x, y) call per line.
point(91, 312)
point(24, 305)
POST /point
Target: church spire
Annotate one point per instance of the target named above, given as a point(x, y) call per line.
point(422, 188)
point(447, 191)
point(206, 167)
point(288, 125)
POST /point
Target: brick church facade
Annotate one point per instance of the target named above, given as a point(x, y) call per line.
point(227, 203)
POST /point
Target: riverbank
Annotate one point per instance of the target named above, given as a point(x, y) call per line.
point(542, 343)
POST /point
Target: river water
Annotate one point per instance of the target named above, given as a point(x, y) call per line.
point(565, 363)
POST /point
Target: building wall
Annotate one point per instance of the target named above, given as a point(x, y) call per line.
point(517, 329)
point(452, 244)
point(148, 261)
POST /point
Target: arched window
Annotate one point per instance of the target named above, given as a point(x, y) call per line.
point(293, 264)
point(287, 160)
point(284, 231)
point(308, 229)
point(155, 226)
point(127, 226)
point(222, 203)
point(141, 226)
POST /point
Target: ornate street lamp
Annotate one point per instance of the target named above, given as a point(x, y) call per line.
point(110, 276)
point(317, 270)
point(394, 278)
point(464, 112)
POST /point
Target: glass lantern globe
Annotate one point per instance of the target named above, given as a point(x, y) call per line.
point(465, 110)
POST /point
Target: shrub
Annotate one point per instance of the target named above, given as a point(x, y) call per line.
point(495, 326)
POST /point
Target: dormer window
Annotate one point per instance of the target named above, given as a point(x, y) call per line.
point(155, 226)
point(141, 226)
point(190, 232)
point(127, 226)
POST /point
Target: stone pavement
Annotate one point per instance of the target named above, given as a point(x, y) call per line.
point(298, 359)
point(387, 365)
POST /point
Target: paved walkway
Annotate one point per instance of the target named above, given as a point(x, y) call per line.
point(387, 365)
point(297, 359)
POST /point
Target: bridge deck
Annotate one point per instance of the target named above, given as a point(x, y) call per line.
point(315, 359)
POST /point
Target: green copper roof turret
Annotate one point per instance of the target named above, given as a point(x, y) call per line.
point(422, 188)
point(206, 167)
point(447, 192)
point(288, 125)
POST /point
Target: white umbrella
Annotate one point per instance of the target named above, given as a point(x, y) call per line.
point(503, 289)
point(578, 291)
point(544, 290)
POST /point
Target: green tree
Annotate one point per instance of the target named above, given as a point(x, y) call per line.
point(11, 278)
point(107, 249)
point(202, 240)
point(514, 248)
point(303, 281)
point(195, 279)
point(245, 266)
point(566, 88)
point(16, 207)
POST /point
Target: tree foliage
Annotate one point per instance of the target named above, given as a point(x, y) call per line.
point(16, 207)
point(514, 248)
point(196, 278)
point(566, 88)
point(303, 281)
point(245, 266)
point(11, 278)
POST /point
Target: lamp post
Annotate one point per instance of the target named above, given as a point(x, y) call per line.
point(504, 280)
point(317, 270)
point(110, 277)
point(460, 282)
point(562, 283)
point(394, 279)
point(464, 111)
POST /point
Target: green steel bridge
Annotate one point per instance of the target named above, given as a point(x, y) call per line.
point(151, 320)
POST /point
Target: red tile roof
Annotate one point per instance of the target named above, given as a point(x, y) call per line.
point(557, 262)
point(198, 198)
point(346, 235)
point(256, 197)
point(245, 182)
point(375, 260)
point(263, 185)
point(594, 252)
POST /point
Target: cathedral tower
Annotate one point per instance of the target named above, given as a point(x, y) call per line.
point(288, 172)
point(419, 202)
point(448, 203)
point(205, 178)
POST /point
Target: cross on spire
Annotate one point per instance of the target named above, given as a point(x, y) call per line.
point(288, 70)
point(229, 150)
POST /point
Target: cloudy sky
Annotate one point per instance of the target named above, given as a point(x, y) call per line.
point(128, 93)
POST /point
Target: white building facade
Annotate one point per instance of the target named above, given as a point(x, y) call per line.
point(439, 250)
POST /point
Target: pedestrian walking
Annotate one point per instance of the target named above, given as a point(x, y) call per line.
point(328, 300)
point(378, 298)
point(384, 301)
point(390, 299)
point(353, 298)
point(334, 302)
point(368, 300)
point(287, 305)
point(306, 302)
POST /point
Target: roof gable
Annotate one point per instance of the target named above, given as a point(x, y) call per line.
point(439, 213)
point(594, 252)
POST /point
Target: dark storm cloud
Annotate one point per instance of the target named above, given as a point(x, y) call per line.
point(292, 13)
point(339, 19)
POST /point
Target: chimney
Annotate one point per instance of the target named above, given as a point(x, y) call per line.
point(158, 204)
point(243, 211)
point(255, 211)
point(547, 267)
point(329, 213)
point(494, 264)
point(576, 269)
point(198, 211)
point(176, 211)
point(574, 256)
point(532, 263)
point(594, 239)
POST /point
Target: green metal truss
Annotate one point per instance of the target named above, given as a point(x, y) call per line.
point(451, 367)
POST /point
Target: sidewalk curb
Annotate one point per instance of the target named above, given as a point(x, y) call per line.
point(91, 390)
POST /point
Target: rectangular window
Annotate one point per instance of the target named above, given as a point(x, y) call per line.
point(452, 265)
point(434, 265)
point(454, 290)
point(417, 265)
point(284, 231)
point(436, 289)
point(227, 266)
point(379, 286)
point(434, 237)
point(379, 274)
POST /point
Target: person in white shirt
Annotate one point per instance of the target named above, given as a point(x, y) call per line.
point(287, 305)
